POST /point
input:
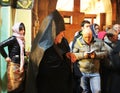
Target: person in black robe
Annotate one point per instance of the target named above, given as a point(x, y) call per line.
point(110, 75)
point(50, 59)
point(55, 74)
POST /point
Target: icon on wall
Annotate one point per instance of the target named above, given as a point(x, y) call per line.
point(24, 4)
point(5, 2)
point(19, 4)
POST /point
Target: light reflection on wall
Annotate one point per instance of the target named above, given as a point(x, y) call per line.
point(65, 5)
point(89, 7)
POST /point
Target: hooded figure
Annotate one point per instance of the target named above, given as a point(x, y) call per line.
point(49, 69)
point(94, 30)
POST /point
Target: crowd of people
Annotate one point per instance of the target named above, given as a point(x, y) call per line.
point(89, 64)
point(97, 54)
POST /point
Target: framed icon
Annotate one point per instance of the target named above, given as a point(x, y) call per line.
point(24, 4)
point(67, 19)
point(5, 2)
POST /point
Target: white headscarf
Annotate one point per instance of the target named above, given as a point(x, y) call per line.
point(20, 39)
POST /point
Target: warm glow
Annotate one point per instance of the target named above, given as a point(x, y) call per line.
point(99, 7)
point(87, 6)
point(65, 5)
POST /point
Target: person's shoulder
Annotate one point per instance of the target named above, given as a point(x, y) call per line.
point(78, 35)
point(12, 38)
point(98, 40)
point(118, 42)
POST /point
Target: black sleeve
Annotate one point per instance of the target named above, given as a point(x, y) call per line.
point(64, 45)
point(4, 44)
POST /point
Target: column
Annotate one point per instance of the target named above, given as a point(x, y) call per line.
point(5, 31)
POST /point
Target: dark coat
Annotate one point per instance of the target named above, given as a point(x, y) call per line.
point(114, 82)
point(110, 74)
point(42, 51)
point(55, 75)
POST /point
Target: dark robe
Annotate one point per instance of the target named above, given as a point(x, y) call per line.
point(55, 74)
point(48, 67)
point(114, 79)
point(110, 70)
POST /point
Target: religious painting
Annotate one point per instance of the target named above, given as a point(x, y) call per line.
point(67, 19)
point(5, 2)
point(24, 4)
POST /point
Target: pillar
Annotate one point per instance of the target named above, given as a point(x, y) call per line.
point(5, 31)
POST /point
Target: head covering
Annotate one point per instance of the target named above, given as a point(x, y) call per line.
point(20, 39)
point(93, 30)
point(51, 26)
point(15, 28)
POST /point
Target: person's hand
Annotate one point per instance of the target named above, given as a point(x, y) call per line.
point(18, 71)
point(8, 59)
point(86, 55)
point(71, 56)
point(92, 55)
point(21, 69)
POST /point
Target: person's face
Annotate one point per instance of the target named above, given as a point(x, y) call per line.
point(117, 28)
point(59, 37)
point(87, 25)
point(22, 32)
point(87, 36)
point(114, 38)
point(96, 29)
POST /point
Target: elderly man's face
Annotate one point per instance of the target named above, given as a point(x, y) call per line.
point(87, 35)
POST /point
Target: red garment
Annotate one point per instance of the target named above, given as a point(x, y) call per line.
point(101, 34)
